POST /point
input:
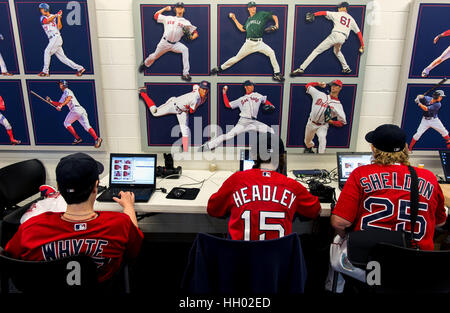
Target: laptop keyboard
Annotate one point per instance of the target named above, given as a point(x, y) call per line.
point(137, 192)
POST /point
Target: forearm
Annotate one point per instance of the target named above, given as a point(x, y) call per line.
point(360, 37)
point(275, 19)
point(226, 101)
point(340, 225)
point(320, 13)
point(129, 210)
point(238, 25)
point(194, 35)
point(423, 107)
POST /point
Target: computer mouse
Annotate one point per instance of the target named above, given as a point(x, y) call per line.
point(179, 192)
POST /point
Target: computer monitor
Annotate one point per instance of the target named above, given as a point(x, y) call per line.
point(348, 161)
point(246, 162)
point(445, 161)
point(133, 170)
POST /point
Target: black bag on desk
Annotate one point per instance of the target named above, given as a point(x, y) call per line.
point(360, 243)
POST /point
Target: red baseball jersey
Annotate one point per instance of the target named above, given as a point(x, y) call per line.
point(262, 204)
point(377, 196)
point(107, 239)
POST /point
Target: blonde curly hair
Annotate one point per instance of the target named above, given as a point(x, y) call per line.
point(388, 158)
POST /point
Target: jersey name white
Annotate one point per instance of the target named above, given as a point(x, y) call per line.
point(320, 101)
point(173, 27)
point(189, 101)
point(73, 103)
point(51, 28)
point(343, 22)
point(249, 104)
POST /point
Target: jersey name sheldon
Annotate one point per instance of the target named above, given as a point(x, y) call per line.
point(266, 193)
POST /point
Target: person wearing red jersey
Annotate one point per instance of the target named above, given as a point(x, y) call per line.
point(378, 195)
point(262, 202)
point(107, 237)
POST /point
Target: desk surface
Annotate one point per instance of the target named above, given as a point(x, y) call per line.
point(159, 204)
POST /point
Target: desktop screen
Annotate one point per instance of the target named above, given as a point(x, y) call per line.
point(136, 170)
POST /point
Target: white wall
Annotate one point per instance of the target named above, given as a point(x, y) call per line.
point(119, 63)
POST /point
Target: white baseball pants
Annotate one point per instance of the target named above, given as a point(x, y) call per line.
point(54, 47)
point(3, 65)
point(335, 38)
point(169, 107)
point(250, 47)
point(4, 122)
point(434, 123)
point(80, 115)
point(164, 47)
point(243, 125)
point(321, 131)
point(444, 56)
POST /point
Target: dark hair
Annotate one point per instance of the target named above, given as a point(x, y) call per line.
point(78, 197)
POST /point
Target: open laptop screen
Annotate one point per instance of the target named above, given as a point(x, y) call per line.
point(348, 161)
point(133, 170)
point(445, 161)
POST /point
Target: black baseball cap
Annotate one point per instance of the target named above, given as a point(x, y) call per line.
point(251, 4)
point(204, 85)
point(179, 5)
point(77, 172)
point(248, 83)
point(387, 138)
point(343, 5)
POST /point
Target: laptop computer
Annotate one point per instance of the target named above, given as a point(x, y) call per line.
point(131, 172)
point(348, 161)
point(445, 162)
point(246, 162)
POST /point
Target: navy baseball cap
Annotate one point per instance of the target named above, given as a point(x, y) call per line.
point(64, 83)
point(179, 5)
point(251, 4)
point(343, 5)
point(204, 85)
point(387, 138)
point(77, 172)
point(438, 93)
point(248, 83)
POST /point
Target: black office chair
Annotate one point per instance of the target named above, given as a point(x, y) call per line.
point(221, 266)
point(48, 276)
point(18, 182)
point(405, 270)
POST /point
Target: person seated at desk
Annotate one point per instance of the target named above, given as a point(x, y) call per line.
point(107, 237)
point(261, 201)
point(378, 195)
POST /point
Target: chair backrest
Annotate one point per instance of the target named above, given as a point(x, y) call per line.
point(221, 266)
point(74, 274)
point(405, 270)
point(20, 181)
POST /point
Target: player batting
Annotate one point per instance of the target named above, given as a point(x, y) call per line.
point(175, 27)
point(444, 56)
point(51, 23)
point(6, 124)
point(249, 105)
point(76, 113)
point(3, 67)
point(343, 24)
point(181, 106)
point(430, 107)
point(254, 27)
point(326, 110)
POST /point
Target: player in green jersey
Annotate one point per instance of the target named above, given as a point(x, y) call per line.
point(254, 27)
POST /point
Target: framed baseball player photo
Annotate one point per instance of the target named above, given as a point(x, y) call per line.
point(321, 116)
point(176, 113)
point(64, 113)
point(426, 117)
point(55, 37)
point(243, 108)
point(9, 65)
point(328, 40)
point(431, 47)
point(251, 39)
point(175, 39)
point(13, 121)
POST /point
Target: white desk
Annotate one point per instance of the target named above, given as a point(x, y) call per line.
point(159, 204)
